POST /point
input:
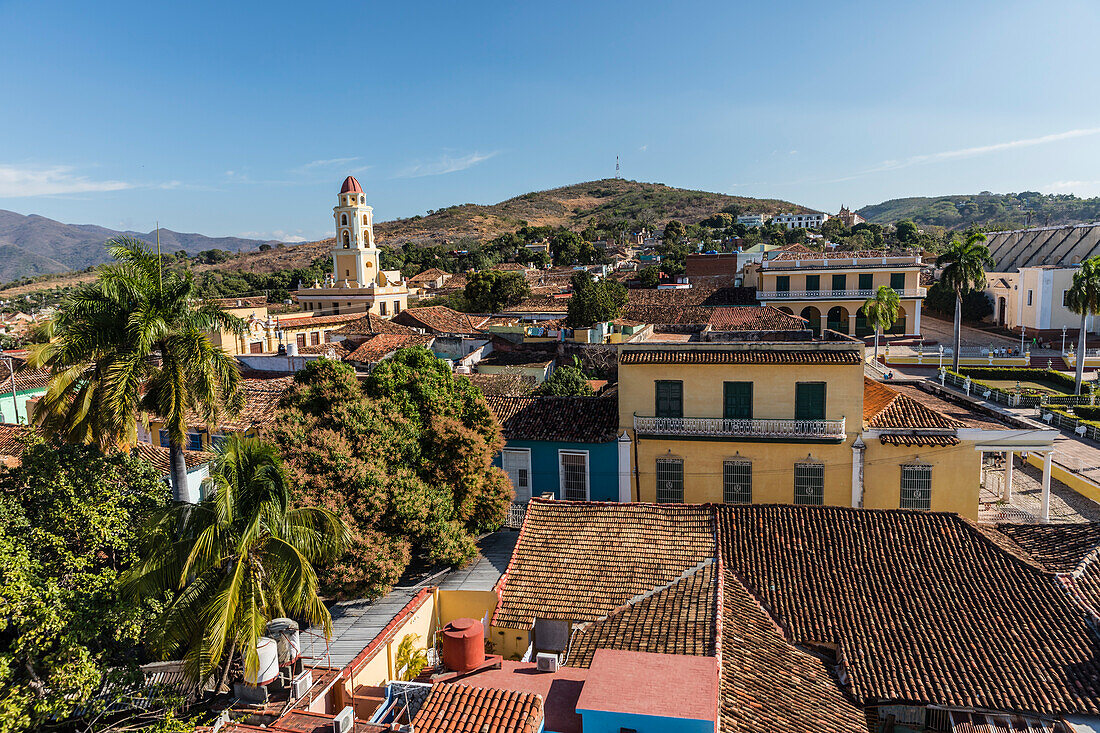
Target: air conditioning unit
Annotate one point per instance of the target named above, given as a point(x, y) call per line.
point(344, 722)
point(546, 662)
point(300, 685)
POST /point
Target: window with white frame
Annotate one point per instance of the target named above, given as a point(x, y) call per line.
point(670, 480)
point(517, 464)
point(809, 483)
point(916, 486)
point(573, 473)
point(737, 481)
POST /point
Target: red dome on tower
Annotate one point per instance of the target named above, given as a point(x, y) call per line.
point(351, 186)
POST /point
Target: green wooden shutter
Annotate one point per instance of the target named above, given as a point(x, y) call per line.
point(840, 282)
point(783, 283)
point(866, 281)
point(670, 399)
point(897, 281)
point(813, 283)
point(809, 401)
point(737, 400)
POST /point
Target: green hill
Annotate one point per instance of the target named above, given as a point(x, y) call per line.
point(988, 210)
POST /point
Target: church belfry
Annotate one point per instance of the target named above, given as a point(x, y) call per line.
point(355, 259)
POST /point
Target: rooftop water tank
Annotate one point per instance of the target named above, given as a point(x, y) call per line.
point(463, 644)
point(268, 652)
point(285, 633)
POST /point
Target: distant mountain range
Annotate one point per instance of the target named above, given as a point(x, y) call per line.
point(989, 210)
point(34, 245)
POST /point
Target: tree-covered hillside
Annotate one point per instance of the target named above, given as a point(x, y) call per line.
point(987, 210)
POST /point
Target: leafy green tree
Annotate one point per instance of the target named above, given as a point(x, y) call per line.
point(565, 247)
point(233, 562)
point(68, 521)
point(493, 290)
point(906, 232)
point(134, 340)
point(649, 276)
point(566, 381)
point(881, 311)
point(1083, 298)
point(405, 459)
point(964, 271)
point(594, 302)
point(795, 235)
point(675, 232)
point(721, 220)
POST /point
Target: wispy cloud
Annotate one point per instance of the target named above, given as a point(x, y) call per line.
point(644, 148)
point(445, 163)
point(277, 234)
point(18, 181)
point(1027, 142)
point(317, 165)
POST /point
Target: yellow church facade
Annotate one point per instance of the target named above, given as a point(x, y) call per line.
point(357, 284)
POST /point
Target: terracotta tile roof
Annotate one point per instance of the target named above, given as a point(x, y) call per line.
point(379, 346)
point(261, 400)
point(162, 460)
point(438, 319)
point(754, 318)
point(342, 348)
point(12, 438)
point(739, 356)
point(307, 321)
point(683, 306)
point(1060, 548)
point(25, 378)
point(540, 304)
point(887, 409)
point(566, 419)
point(959, 411)
point(511, 267)
point(371, 324)
point(502, 384)
point(519, 357)
point(581, 561)
point(922, 607)
point(770, 685)
point(679, 619)
point(464, 709)
point(430, 275)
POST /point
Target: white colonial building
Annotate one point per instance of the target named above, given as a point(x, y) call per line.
point(801, 221)
point(357, 283)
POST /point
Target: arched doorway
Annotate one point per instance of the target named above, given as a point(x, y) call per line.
point(813, 318)
point(837, 319)
point(862, 329)
point(898, 328)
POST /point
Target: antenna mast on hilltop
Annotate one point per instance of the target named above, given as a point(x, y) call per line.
point(617, 167)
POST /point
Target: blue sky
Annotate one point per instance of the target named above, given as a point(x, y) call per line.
point(242, 118)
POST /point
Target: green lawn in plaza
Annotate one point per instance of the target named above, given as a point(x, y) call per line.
point(1010, 385)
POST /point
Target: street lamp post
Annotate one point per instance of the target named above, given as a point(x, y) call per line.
point(1023, 330)
point(1063, 339)
point(941, 356)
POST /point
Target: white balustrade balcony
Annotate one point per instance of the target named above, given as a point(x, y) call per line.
point(720, 427)
point(833, 294)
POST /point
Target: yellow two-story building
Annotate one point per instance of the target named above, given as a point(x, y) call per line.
point(790, 422)
point(829, 290)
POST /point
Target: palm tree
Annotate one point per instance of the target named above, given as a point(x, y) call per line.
point(135, 340)
point(966, 263)
point(234, 561)
point(1083, 298)
point(881, 311)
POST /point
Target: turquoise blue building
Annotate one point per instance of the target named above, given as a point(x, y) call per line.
point(563, 446)
point(28, 385)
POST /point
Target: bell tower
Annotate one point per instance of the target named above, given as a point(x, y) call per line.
point(355, 259)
